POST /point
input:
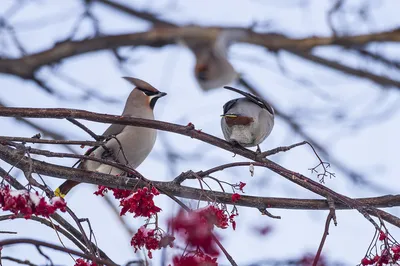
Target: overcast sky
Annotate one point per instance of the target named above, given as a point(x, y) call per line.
point(371, 149)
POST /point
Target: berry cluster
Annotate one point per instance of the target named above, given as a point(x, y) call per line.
point(28, 203)
point(390, 254)
point(195, 227)
point(81, 262)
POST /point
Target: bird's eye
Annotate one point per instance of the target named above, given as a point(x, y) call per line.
point(148, 93)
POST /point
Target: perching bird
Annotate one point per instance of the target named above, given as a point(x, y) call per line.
point(128, 145)
point(247, 121)
point(213, 69)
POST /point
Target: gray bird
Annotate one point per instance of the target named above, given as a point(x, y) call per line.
point(213, 68)
point(247, 121)
point(127, 145)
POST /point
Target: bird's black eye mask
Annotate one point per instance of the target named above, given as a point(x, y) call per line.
point(148, 92)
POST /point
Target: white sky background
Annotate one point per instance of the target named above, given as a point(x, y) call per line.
point(371, 149)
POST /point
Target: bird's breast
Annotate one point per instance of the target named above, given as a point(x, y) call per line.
point(238, 120)
point(137, 143)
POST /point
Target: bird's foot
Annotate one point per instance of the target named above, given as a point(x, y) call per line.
point(108, 153)
point(258, 151)
point(58, 193)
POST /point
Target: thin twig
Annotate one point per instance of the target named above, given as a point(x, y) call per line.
point(51, 141)
point(38, 244)
point(86, 129)
point(281, 149)
point(325, 234)
point(12, 157)
point(70, 232)
point(25, 262)
point(8, 232)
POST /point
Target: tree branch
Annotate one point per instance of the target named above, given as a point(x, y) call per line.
point(37, 243)
point(13, 157)
point(26, 66)
point(378, 79)
point(139, 14)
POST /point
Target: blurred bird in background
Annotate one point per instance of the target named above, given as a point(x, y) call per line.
point(212, 69)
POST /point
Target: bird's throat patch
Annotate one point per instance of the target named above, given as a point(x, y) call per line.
point(238, 120)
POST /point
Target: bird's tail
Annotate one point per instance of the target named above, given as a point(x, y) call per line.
point(65, 187)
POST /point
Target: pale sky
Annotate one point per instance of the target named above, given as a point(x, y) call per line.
point(371, 149)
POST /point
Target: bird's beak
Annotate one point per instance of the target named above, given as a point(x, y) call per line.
point(161, 94)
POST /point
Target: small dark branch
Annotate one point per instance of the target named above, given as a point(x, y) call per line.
point(325, 173)
point(8, 232)
point(16, 40)
point(355, 177)
point(49, 224)
point(378, 79)
point(81, 220)
point(37, 243)
point(89, 93)
point(264, 211)
point(13, 157)
point(227, 255)
point(326, 233)
point(114, 209)
point(377, 57)
point(183, 176)
point(228, 165)
point(25, 262)
point(44, 255)
point(335, 8)
point(281, 149)
point(83, 233)
point(325, 166)
point(86, 129)
point(332, 209)
point(81, 157)
point(44, 86)
point(43, 130)
point(139, 14)
point(78, 235)
point(51, 141)
point(69, 229)
point(26, 66)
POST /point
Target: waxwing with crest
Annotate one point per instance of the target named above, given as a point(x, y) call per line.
point(247, 121)
point(128, 145)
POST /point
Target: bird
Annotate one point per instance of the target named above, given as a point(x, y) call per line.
point(213, 69)
point(128, 145)
point(247, 121)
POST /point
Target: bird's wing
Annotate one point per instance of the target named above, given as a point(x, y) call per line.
point(114, 129)
point(257, 100)
point(229, 105)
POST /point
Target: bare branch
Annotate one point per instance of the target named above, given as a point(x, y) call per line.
point(12, 157)
point(25, 262)
point(331, 215)
point(51, 141)
point(139, 14)
point(38, 244)
point(26, 66)
point(378, 79)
